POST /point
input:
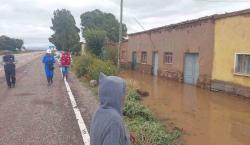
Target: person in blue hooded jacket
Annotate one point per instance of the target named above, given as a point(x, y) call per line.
point(107, 127)
point(49, 61)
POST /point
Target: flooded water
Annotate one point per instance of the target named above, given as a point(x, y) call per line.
point(207, 118)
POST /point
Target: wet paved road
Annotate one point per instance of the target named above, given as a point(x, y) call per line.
point(207, 118)
point(35, 114)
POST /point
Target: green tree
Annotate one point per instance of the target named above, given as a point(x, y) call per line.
point(95, 40)
point(18, 43)
point(66, 33)
point(102, 21)
point(7, 43)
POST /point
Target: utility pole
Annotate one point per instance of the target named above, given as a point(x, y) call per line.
point(120, 34)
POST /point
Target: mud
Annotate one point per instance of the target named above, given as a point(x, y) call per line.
point(207, 118)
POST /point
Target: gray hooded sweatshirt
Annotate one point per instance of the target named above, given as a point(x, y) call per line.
point(107, 126)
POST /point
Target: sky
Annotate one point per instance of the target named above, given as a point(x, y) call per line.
point(30, 20)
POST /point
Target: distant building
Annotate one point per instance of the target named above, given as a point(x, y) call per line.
point(211, 52)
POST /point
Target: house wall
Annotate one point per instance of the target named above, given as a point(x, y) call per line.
point(196, 37)
point(232, 35)
point(124, 59)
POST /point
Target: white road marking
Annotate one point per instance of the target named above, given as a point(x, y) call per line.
point(82, 126)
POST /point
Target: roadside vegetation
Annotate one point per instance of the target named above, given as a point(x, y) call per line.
point(90, 66)
point(142, 122)
point(139, 119)
point(100, 57)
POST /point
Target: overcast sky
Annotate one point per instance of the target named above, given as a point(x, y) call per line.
point(30, 20)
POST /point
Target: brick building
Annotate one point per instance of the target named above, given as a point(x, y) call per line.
point(186, 51)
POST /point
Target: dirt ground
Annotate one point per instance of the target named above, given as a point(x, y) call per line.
point(35, 113)
point(86, 102)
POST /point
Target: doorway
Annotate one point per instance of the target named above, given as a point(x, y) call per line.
point(155, 62)
point(134, 60)
point(191, 68)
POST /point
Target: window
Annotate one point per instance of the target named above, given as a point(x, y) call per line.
point(242, 65)
point(144, 57)
point(168, 58)
point(123, 54)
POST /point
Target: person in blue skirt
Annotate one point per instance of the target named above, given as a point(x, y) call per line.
point(49, 61)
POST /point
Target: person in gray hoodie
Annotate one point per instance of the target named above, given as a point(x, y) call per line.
point(107, 126)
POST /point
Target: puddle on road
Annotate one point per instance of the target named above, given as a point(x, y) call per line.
point(207, 118)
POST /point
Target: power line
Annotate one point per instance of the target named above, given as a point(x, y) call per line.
point(139, 23)
point(150, 38)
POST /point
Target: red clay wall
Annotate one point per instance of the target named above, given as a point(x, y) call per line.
point(197, 37)
point(124, 56)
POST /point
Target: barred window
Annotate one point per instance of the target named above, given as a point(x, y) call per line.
point(168, 58)
point(144, 57)
point(242, 65)
point(123, 54)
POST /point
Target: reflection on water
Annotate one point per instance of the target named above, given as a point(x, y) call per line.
point(207, 118)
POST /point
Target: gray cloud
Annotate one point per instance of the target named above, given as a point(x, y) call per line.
point(31, 19)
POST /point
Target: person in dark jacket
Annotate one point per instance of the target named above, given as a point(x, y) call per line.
point(9, 69)
point(49, 61)
point(107, 127)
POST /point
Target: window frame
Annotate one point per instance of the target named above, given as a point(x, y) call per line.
point(123, 56)
point(146, 57)
point(164, 57)
point(235, 65)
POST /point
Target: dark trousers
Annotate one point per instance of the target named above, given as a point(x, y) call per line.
point(50, 80)
point(10, 75)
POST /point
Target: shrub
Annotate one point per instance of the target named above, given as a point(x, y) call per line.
point(132, 95)
point(111, 54)
point(133, 108)
point(141, 121)
point(91, 66)
point(99, 66)
point(151, 132)
point(81, 64)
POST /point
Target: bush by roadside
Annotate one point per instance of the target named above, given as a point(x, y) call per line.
point(90, 67)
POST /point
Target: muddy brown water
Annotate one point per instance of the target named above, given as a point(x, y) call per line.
point(207, 118)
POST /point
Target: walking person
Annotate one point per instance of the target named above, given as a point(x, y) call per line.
point(107, 127)
point(65, 63)
point(49, 61)
point(9, 69)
